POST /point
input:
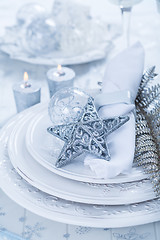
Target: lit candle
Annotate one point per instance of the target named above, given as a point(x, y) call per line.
point(58, 78)
point(26, 94)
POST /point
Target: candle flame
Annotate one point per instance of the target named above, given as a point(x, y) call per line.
point(26, 84)
point(25, 77)
point(60, 71)
point(59, 67)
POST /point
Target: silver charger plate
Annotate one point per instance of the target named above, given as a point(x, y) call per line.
point(45, 148)
point(51, 183)
point(58, 209)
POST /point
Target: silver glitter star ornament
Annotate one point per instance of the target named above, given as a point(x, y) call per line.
point(87, 134)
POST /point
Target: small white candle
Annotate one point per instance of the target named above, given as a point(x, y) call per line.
point(59, 77)
point(26, 94)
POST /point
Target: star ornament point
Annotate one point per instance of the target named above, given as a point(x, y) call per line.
point(87, 134)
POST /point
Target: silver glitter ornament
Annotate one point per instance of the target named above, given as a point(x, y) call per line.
point(66, 105)
point(147, 152)
point(41, 36)
point(28, 12)
point(87, 134)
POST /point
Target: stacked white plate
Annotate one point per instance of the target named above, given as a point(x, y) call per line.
point(72, 194)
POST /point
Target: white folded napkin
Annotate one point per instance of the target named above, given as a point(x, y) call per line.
point(124, 72)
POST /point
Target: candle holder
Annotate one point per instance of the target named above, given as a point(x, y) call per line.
point(26, 94)
point(59, 78)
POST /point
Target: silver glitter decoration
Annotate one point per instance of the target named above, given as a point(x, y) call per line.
point(147, 152)
point(87, 134)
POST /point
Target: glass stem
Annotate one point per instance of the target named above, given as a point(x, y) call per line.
point(126, 19)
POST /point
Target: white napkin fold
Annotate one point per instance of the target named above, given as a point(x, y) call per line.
point(124, 72)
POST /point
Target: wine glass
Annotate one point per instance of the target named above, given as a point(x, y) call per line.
point(126, 8)
point(158, 5)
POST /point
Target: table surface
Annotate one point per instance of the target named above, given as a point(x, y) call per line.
point(145, 27)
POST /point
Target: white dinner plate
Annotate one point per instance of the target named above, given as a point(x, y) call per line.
point(17, 52)
point(64, 211)
point(51, 183)
point(45, 149)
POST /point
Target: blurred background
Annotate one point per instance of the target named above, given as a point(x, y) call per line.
point(144, 26)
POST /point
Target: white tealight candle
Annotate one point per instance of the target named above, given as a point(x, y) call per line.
point(58, 78)
point(26, 94)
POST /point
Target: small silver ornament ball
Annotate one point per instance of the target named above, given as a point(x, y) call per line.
point(41, 36)
point(28, 12)
point(66, 105)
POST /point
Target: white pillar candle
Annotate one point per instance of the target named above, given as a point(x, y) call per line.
point(58, 78)
point(26, 94)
